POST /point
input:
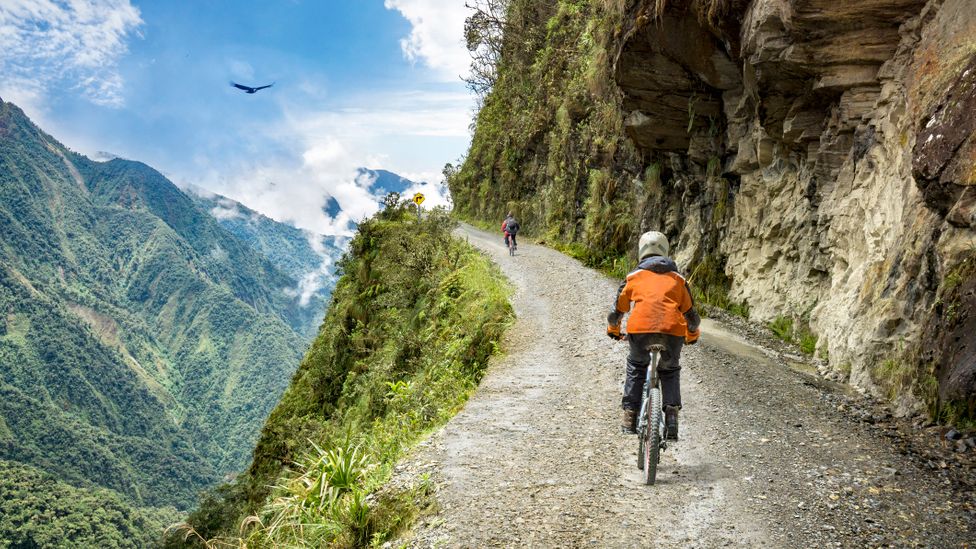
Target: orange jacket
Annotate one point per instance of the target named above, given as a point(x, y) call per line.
point(662, 302)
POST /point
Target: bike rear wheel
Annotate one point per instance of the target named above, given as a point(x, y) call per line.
point(651, 441)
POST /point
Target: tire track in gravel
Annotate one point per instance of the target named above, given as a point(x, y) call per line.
point(536, 458)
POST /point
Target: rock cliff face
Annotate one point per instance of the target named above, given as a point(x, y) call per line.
point(846, 134)
point(822, 152)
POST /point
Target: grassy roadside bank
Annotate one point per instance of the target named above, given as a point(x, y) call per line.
point(413, 321)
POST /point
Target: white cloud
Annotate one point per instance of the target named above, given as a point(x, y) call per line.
point(197, 190)
point(315, 280)
point(328, 148)
point(226, 209)
point(421, 177)
point(74, 44)
point(308, 286)
point(425, 114)
point(435, 194)
point(437, 34)
point(104, 156)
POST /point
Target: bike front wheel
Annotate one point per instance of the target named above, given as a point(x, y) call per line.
point(651, 443)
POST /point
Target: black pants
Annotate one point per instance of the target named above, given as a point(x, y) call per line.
point(668, 369)
point(512, 236)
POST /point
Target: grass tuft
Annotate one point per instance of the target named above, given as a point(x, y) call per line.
point(785, 329)
point(782, 327)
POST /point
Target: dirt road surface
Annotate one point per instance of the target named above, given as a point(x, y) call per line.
point(536, 458)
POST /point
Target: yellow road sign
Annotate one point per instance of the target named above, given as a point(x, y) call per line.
point(418, 199)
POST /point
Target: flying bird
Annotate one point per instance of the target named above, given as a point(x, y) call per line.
point(249, 89)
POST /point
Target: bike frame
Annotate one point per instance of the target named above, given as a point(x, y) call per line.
point(650, 382)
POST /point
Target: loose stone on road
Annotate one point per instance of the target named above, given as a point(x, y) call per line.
point(536, 457)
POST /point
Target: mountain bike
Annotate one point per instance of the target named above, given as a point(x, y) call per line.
point(650, 422)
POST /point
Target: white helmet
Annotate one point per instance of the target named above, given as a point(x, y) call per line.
point(652, 243)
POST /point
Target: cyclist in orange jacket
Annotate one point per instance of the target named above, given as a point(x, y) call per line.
point(663, 313)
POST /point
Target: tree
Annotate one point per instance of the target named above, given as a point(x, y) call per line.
point(483, 34)
point(450, 170)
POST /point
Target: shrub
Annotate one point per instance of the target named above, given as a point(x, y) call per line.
point(782, 327)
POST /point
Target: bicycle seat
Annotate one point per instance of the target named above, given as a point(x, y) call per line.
point(657, 347)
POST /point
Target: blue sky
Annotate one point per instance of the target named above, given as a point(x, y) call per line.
point(369, 83)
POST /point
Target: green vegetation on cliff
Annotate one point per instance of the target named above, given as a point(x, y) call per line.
point(413, 321)
point(550, 132)
point(549, 142)
point(550, 145)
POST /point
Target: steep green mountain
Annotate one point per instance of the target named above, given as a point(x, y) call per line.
point(142, 345)
point(307, 258)
point(413, 320)
point(811, 162)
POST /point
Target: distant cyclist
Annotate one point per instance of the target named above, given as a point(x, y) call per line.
point(510, 228)
point(663, 313)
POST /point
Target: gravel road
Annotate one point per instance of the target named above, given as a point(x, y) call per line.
point(766, 458)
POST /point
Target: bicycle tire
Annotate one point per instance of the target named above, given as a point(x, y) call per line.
point(652, 439)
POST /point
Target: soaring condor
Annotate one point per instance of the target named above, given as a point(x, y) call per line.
point(249, 89)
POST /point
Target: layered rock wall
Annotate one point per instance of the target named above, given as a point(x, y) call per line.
point(834, 145)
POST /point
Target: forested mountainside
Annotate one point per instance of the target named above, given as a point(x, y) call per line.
point(812, 162)
point(307, 258)
point(142, 345)
point(413, 320)
point(37, 510)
